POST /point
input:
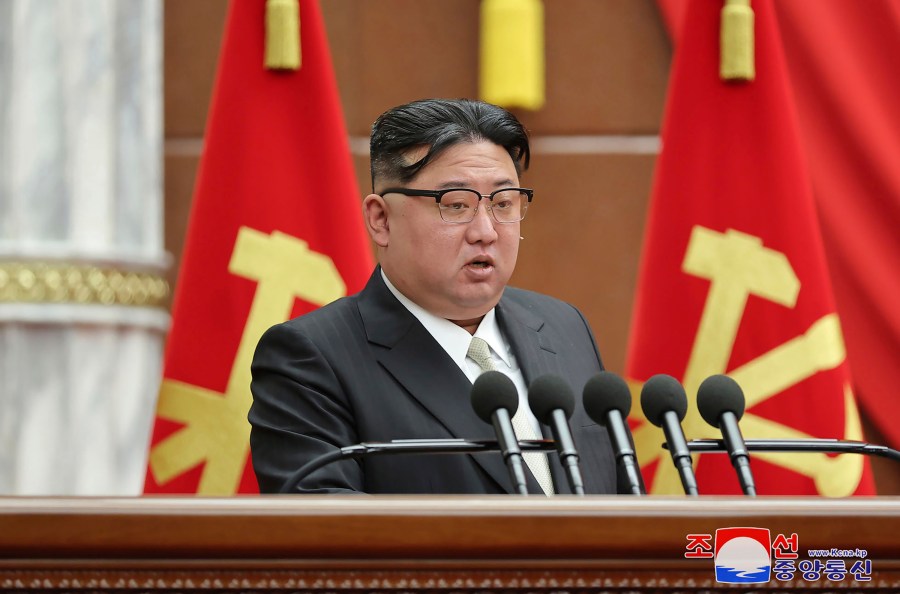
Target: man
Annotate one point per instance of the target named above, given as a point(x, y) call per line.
point(393, 361)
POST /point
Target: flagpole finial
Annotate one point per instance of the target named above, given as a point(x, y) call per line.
point(282, 35)
point(736, 43)
point(511, 72)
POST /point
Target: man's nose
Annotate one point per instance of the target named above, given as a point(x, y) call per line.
point(483, 223)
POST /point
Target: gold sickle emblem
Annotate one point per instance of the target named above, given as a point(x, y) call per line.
point(216, 430)
point(737, 266)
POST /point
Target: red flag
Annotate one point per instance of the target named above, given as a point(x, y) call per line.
point(275, 231)
point(733, 277)
point(843, 63)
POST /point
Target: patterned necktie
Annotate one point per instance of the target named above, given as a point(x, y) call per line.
point(480, 352)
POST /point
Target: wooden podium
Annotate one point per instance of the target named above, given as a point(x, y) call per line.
point(409, 544)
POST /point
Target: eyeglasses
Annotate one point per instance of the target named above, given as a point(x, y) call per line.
point(459, 205)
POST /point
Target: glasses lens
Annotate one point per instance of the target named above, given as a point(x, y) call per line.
point(509, 205)
point(459, 206)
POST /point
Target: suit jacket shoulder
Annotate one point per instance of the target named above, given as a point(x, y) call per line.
point(538, 325)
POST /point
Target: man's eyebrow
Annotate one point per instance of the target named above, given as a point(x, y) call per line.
point(506, 182)
point(451, 184)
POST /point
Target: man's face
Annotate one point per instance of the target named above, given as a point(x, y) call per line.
point(455, 271)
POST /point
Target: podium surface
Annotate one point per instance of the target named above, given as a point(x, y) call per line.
point(436, 543)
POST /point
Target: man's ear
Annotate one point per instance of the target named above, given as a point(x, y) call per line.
point(375, 214)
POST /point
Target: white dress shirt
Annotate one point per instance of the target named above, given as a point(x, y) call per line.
point(455, 340)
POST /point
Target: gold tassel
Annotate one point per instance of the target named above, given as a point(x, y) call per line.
point(282, 35)
point(512, 53)
point(736, 41)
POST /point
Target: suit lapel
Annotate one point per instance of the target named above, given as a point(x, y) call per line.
point(534, 350)
point(536, 356)
point(537, 347)
point(416, 360)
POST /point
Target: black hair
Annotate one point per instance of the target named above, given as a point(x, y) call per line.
point(439, 124)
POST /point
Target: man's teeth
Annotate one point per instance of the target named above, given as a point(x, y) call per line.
point(480, 264)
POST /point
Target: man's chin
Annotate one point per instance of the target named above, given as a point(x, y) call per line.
point(472, 306)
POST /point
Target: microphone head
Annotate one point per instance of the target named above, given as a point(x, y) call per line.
point(548, 393)
point(493, 390)
point(660, 394)
point(604, 392)
point(719, 394)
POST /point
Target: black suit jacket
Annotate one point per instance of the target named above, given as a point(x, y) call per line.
point(365, 369)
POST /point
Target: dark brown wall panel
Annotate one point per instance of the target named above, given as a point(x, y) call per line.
point(401, 50)
point(193, 33)
point(607, 67)
point(607, 61)
point(583, 237)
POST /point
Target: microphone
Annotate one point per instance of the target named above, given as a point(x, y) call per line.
point(720, 401)
point(665, 404)
point(607, 400)
point(552, 402)
point(495, 400)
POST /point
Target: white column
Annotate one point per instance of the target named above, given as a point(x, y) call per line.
point(82, 300)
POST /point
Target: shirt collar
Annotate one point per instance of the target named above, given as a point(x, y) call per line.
point(454, 339)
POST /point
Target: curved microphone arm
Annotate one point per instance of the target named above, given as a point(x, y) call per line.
point(410, 446)
point(828, 446)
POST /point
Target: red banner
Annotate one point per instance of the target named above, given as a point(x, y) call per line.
point(275, 231)
point(842, 64)
point(733, 277)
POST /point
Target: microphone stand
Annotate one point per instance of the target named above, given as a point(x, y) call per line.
point(410, 446)
point(827, 446)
